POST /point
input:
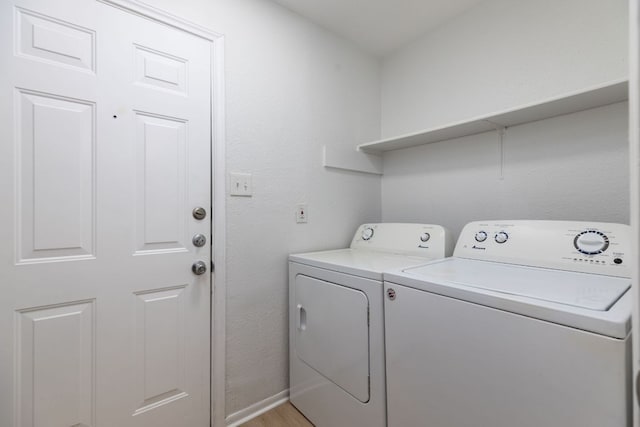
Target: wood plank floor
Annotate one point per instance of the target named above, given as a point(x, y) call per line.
point(285, 415)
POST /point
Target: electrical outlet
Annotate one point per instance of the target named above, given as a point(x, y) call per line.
point(301, 213)
point(240, 184)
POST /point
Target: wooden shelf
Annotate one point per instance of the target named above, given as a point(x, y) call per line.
point(598, 96)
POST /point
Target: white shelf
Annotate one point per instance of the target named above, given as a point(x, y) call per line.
point(598, 96)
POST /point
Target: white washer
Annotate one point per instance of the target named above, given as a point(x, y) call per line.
point(336, 341)
point(526, 325)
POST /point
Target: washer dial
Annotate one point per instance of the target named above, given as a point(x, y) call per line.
point(591, 242)
point(501, 237)
point(367, 233)
point(424, 237)
point(481, 236)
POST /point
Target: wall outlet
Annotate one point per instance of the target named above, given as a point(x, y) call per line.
point(240, 184)
point(301, 213)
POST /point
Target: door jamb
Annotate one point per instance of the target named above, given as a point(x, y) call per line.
point(218, 188)
point(634, 174)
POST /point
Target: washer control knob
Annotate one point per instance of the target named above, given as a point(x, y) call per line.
point(591, 242)
point(481, 236)
point(367, 233)
point(424, 237)
point(501, 237)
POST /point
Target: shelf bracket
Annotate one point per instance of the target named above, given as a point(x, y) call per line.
point(501, 131)
point(351, 160)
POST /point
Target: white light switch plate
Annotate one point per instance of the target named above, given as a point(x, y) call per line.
point(240, 184)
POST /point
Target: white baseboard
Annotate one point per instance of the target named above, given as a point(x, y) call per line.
point(257, 409)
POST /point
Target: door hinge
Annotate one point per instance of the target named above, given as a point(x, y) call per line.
point(638, 386)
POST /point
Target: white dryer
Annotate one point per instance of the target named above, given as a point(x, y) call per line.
point(336, 341)
point(526, 325)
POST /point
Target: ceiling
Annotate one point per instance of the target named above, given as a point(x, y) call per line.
point(378, 26)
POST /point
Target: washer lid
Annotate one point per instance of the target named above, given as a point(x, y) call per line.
point(358, 262)
point(582, 290)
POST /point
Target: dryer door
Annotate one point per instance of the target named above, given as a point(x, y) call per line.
point(332, 333)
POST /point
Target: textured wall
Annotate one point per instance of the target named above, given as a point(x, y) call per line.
point(573, 167)
point(291, 87)
point(502, 54)
point(499, 55)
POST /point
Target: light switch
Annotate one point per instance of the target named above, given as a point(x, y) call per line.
point(240, 184)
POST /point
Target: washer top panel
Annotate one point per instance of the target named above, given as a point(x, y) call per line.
point(588, 247)
point(590, 302)
point(582, 290)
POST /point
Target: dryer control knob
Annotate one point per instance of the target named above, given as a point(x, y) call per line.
point(481, 236)
point(501, 237)
point(591, 242)
point(367, 233)
point(424, 237)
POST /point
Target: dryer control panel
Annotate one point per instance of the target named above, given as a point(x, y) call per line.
point(426, 240)
point(589, 247)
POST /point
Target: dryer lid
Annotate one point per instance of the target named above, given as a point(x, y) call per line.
point(358, 262)
point(582, 290)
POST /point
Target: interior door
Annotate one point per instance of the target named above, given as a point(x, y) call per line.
point(105, 129)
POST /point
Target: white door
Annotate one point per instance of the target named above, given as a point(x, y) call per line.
point(104, 153)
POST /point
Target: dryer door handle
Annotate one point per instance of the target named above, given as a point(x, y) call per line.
point(302, 318)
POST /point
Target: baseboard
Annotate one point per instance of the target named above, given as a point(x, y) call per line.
point(257, 409)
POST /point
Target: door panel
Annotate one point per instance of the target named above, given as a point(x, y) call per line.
point(160, 347)
point(55, 186)
point(106, 115)
point(161, 184)
point(159, 70)
point(55, 356)
point(49, 39)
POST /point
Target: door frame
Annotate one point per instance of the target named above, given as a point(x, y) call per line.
point(634, 187)
point(218, 190)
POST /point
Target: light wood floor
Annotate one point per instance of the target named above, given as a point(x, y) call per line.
point(285, 415)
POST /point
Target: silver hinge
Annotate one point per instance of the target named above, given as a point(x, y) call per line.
point(638, 387)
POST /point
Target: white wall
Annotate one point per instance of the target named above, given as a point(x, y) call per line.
point(499, 55)
point(291, 87)
point(573, 167)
